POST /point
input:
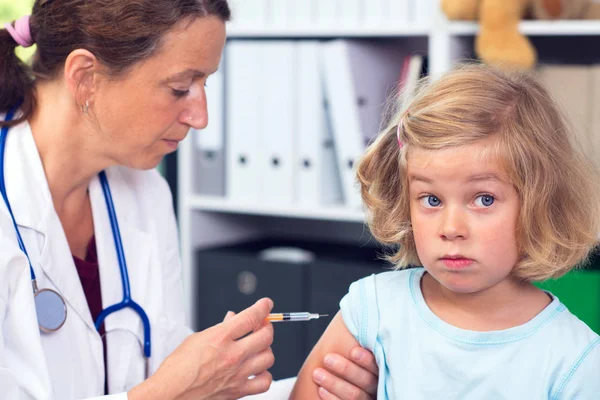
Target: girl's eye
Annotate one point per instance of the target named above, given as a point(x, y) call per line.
point(430, 201)
point(180, 93)
point(484, 200)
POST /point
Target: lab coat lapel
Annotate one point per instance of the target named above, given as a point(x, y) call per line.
point(136, 244)
point(31, 202)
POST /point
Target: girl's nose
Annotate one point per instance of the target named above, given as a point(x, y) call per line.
point(453, 224)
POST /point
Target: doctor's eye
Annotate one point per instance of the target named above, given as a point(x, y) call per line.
point(484, 200)
point(430, 201)
point(180, 93)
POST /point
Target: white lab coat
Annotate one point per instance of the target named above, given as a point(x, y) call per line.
point(68, 364)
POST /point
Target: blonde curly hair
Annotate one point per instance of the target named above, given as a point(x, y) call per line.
point(557, 185)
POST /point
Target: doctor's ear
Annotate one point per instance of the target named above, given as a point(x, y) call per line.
point(81, 72)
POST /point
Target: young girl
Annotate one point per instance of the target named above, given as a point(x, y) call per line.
point(478, 181)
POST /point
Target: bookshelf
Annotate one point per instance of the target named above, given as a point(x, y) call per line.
point(208, 221)
point(537, 28)
point(333, 32)
point(323, 213)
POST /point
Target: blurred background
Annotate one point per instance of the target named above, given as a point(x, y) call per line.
point(265, 196)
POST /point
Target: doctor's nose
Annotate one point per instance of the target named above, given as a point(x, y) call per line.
point(453, 225)
point(196, 115)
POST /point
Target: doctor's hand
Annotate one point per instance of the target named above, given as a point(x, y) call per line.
point(344, 379)
point(216, 363)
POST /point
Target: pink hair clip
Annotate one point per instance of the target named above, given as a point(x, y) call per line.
point(400, 128)
point(21, 32)
point(400, 144)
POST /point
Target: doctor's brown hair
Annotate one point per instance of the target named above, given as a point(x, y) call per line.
point(119, 33)
point(558, 187)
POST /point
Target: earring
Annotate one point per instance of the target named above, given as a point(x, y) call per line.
point(85, 108)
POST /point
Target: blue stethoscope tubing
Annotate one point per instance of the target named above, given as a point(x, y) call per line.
point(3, 134)
point(127, 302)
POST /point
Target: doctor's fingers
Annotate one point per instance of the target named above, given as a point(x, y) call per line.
point(257, 364)
point(259, 384)
point(336, 387)
point(325, 395)
point(348, 372)
point(248, 320)
point(228, 315)
point(256, 342)
point(365, 359)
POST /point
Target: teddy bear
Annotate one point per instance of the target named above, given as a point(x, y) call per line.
point(499, 41)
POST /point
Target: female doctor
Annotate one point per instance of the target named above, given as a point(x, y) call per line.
point(90, 287)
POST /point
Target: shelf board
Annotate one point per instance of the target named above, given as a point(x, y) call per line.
point(324, 213)
point(537, 28)
point(241, 32)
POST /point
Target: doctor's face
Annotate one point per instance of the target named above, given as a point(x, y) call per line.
point(145, 114)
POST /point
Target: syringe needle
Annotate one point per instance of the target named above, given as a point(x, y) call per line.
point(294, 316)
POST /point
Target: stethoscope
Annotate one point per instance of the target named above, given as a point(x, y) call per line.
point(50, 306)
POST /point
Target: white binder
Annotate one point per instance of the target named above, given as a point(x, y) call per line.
point(327, 12)
point(304, 13)
point(376, 13)
point(279, 13)
point(425, 11)
point(209, 158)
point(236, 8)
point(317, 178)
point(248, 13)
point(400, 12)
point(278, 122)
point(351, 13)
point(243, 143)
point(359, 76)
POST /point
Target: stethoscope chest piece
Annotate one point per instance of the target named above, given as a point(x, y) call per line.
point(51, 310)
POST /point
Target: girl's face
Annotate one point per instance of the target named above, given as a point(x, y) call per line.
point(464, 215)
point(145, 115)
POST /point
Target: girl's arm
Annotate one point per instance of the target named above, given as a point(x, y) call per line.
point(335, 339)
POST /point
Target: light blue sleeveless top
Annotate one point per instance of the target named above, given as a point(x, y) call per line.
point(553, 356)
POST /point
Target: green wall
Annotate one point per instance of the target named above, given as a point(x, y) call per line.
point(13, 9)
point(10, 10)
point(579, 290)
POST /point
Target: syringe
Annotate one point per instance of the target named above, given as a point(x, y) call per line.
point(294, 316)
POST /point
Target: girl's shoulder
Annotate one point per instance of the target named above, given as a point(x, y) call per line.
point(389, 285)
point(370, 299)
point(385, 286)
